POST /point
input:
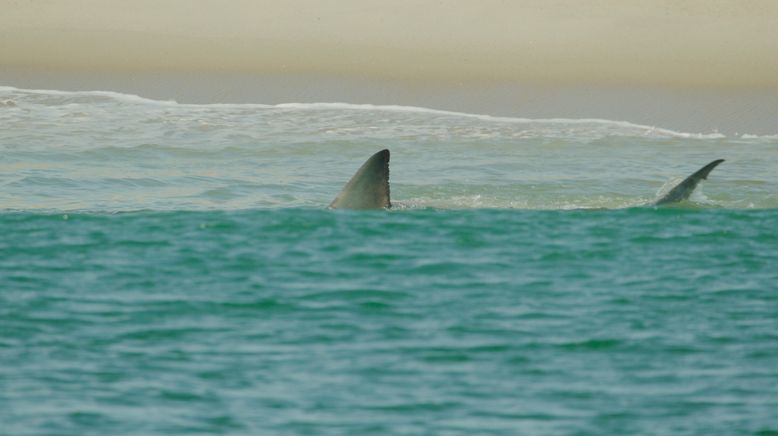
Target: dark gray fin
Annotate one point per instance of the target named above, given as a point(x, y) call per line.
point(685, 188)
point(369, 188)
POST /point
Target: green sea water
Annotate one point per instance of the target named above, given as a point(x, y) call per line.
point(305, 321)
point(172, 268)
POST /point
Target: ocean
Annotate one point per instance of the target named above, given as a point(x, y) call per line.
point(172, 268)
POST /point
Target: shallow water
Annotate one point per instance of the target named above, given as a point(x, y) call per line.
point(171, 268)
point(101, 151)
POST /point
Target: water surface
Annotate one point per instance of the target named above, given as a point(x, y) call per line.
point(170, 268)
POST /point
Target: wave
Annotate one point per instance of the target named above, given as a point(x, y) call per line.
point(504, 119)
point(129, 98)
point(645, 130)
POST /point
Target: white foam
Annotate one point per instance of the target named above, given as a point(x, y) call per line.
point(760, 137)
point(130, 98)
point(122, 97)
point(646, 130)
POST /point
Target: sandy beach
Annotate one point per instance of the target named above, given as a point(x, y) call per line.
point(483, 54)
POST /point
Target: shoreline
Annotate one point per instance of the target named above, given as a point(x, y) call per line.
point(730, 112)
point(695, 66)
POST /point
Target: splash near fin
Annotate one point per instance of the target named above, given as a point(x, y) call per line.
point(369, 187)
point(685, 188)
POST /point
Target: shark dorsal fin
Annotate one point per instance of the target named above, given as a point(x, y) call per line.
point(684, 189)
point(369, 187)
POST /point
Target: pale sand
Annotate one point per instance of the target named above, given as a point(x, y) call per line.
point(690, 65)
point(708, 43)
